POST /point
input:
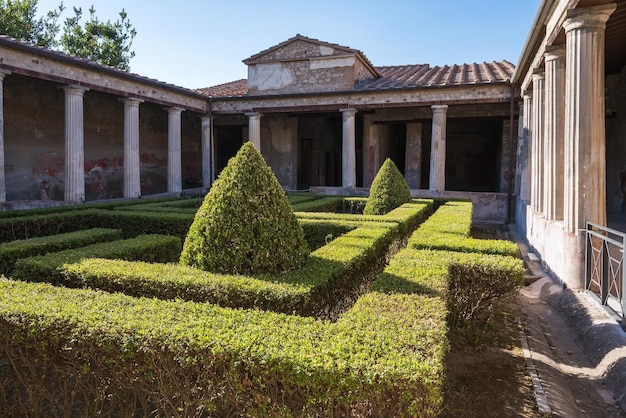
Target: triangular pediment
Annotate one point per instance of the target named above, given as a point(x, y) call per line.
point(301, 47)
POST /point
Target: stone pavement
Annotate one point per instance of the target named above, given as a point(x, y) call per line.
point(575, 351)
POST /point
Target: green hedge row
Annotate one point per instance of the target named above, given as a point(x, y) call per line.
point(135, 223)
point(333, 276)
point(323, 204)
point(113, 204)
point(300, 198)
point(449, 229)
point(319, 232)
point(12, 251)
point(406, 216)
point(320, 288)
point(131, 356)
point(50, 267)
point(38, 225)
point(474, 286)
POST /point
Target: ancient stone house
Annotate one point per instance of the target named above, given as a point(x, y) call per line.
point(326, 118)
point(323, 116)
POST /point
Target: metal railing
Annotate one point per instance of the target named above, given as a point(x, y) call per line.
point(605, 276)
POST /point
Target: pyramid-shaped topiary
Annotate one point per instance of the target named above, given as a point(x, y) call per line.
point(389, 190)
point(245, 224)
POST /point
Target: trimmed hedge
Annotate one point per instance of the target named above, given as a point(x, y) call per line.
point(123, 355)
point(30, 226)
point(300, 198)
point(12, 251)
point(245, 224)
point(152, 248)
point(322, 288)
point(136, 223)
point(323, 204)
point(333, 276)
point(389, 190)
point(474, 286)
point(449, 229)
point(319, 232)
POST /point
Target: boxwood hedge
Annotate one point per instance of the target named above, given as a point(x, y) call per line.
point(449, 229)
point(12, 251)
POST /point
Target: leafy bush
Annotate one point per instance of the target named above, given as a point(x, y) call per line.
point(389, 190)
point(43, 224)
point(133, 223)
point(12, 251)
point(323, 204)
point(245, 224)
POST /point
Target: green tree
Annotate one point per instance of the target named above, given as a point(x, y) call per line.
point(389, 190)
point(245, 224)
point(18, 19)
point(107, 42)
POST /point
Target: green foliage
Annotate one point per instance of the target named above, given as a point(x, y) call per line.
point(119, 354)
point(43, 224)
point(323, 204)
point(389, 190)
point(449, 228)
point(134, 223)
point(12, 251)
point(153, 248)
point(18, 20)
point(245, 224)
point(107, 42)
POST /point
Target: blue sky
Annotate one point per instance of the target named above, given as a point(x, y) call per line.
point(201, 43)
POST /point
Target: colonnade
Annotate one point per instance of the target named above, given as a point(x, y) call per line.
point(74, 176)
point(348, 160)
point(563, 117)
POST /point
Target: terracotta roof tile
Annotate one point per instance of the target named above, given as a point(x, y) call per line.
point(232, 89)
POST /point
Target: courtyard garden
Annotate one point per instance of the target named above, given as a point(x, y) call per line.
point(248, 302)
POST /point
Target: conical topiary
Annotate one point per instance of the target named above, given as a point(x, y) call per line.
point(389, 190)
point(245, 224)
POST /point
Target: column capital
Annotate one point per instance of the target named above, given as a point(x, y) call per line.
point(207, 118)
point(253, 115)
point(74, 89)
point(174, 110)
point(439, 108)
point(588, 17)
point(3, 73)
point(131, 101)
point(554, 52)
point(538, 74)
point(527, 94)
point(348, 111)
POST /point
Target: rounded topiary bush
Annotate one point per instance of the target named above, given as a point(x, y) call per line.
point(245, 224)
point(389, 190)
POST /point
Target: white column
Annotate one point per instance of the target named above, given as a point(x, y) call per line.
point(348, 154)
point(174, 171)
point(526, 150)
point(74, 144)
point(553, 132)
point(207, 156)
point(132, 164)
point(254, 129)
point(536, 192)
point(585, 156)
point(438, 149)
point(3, 185)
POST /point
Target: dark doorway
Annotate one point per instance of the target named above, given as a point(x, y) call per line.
point(228, 140)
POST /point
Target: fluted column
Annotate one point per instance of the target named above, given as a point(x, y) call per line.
point(174, 170)
point(553, 132)
point(585, 157)
point(537, 151)
point(74, 144)
point(3, 185)
point(207, 152)
point(438, 149)
point(132, 164)
point(348, 155)
point(527, 142)
point(254, 129)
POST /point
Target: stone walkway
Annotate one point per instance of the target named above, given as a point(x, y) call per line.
point(575, 350)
